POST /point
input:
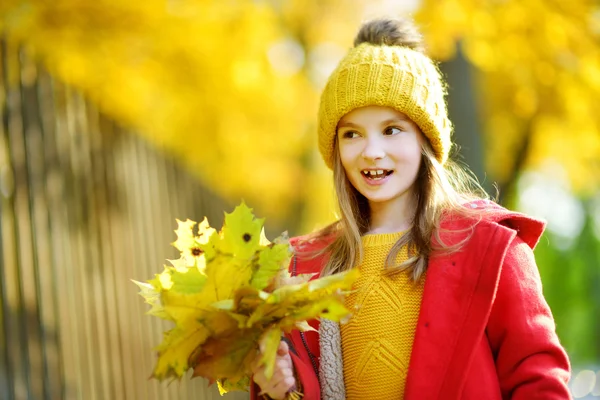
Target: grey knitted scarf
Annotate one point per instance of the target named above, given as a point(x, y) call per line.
point(331, 370)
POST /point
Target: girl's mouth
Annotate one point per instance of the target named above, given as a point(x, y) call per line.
point(376, 174)
point(376, 177)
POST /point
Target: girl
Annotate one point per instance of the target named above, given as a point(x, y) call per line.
point(449, 304)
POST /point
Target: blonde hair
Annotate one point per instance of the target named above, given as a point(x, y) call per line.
point(440, 190)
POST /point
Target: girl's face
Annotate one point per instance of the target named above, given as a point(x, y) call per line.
point(380, 150)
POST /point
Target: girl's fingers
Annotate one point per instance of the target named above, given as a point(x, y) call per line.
point(283, 373)
point(283, 387)
point(282, 354)
point(280, 389)
point(283, 348)
point(281, 363)
point(279, 376)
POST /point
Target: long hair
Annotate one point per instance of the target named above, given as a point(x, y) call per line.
point(439, 190)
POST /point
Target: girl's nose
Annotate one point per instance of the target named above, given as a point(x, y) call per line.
point(373, 149)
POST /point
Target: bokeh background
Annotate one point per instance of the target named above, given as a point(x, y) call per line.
point(118, 117)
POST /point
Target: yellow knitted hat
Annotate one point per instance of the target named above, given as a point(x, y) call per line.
point(386, 75)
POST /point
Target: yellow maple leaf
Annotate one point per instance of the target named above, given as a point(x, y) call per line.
point(152, 296)
point(185, 235)
point(190, 245)
point(269, 342)
point(241, 233)
point(229, 385)
point(271, 260)
point(224, 275)
point(174, 351)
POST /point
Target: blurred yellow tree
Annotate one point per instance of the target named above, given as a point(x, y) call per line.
point(231, 87)
point(225, 86)
point(539, 80)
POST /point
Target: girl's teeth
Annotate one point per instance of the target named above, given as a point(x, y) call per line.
point(375, 174)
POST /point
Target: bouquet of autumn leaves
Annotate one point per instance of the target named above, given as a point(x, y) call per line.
point(229, 292)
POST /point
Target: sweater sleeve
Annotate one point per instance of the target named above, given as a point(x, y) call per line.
point(530, 361)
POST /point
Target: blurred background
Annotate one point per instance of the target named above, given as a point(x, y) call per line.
point(118, 117)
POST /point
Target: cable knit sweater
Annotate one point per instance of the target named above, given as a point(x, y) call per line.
point(376, 360)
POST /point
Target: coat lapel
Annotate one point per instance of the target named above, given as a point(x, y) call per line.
point(459, 291)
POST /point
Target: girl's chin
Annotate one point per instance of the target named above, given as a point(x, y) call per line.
point(382, 197)
point(378, 200)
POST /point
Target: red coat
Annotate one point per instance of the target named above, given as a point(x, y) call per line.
point(484, 331)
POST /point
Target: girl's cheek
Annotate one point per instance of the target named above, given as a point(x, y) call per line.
point(349, 153)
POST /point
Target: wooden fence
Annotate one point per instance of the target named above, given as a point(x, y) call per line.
point(84, 207)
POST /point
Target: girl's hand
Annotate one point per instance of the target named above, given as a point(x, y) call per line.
point(283, 374)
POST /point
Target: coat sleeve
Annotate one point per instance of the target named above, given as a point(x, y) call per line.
point(530, 361)
point(309, 384)
point(304, 371)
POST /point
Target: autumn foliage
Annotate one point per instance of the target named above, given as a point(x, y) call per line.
point(231, 89)
point(538, 80)
point(230, 291)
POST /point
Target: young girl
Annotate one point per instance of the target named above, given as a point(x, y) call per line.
point(449, 303)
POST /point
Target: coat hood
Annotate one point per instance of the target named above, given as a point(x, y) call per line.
point(529, 229)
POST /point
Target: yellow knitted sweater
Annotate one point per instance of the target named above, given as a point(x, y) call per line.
point(377, 341)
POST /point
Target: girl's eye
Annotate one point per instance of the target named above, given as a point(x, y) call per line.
point(349, 134)
point(392, 130)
